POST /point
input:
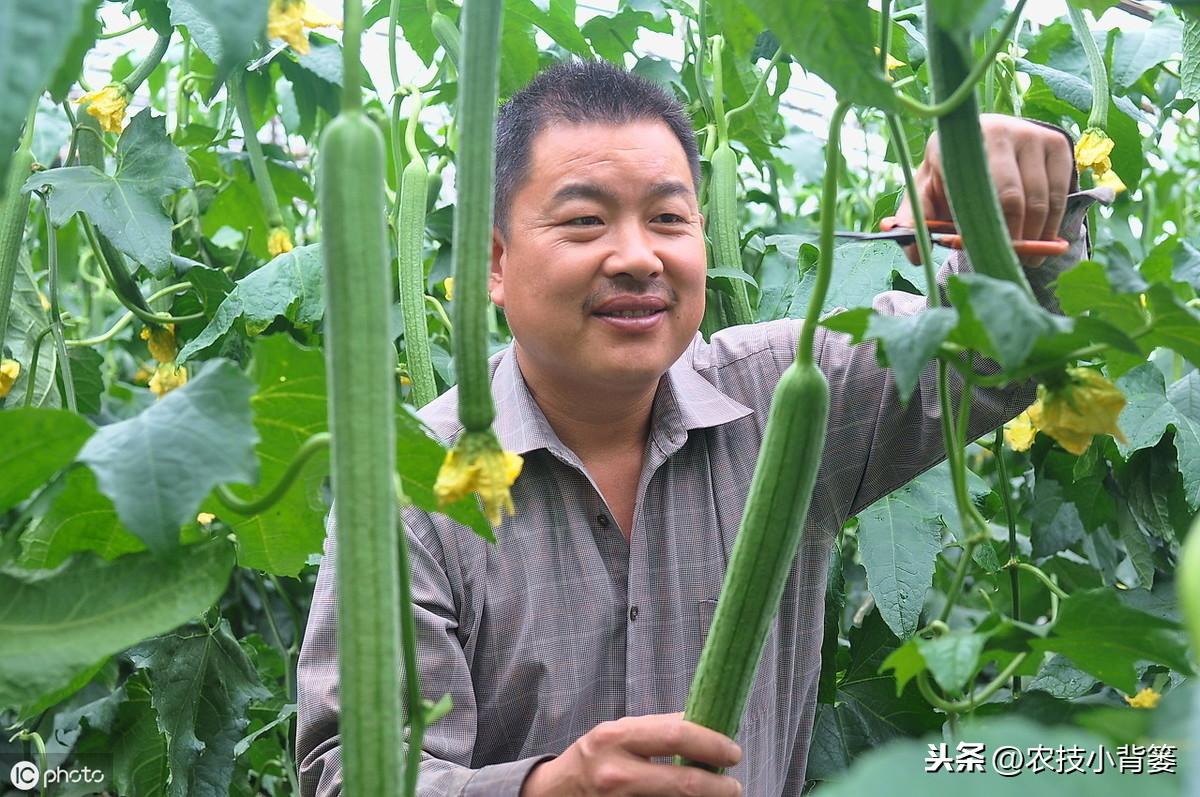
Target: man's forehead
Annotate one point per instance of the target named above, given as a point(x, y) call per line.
point(560, 143)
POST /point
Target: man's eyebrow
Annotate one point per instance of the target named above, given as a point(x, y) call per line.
point(592, 191)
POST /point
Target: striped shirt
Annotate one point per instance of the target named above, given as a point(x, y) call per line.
point(563, 624)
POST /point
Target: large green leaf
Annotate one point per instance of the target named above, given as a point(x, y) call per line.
point(289, 407)
point(27, 320)
point(71, 64)
point(1136, 51)
point(226, 30)
point(1189, 68)
point(127, 206)
point(138, 750)
point(861, 270)
point(291, 285)
point(899, 537)
point(202, 684)
point(557, 21)
point(867, 713)
point(55, 625)
point(37, 444)
point(159, 465)
point(833, 40)
point(79, 518)
point(1000, 319)
point(1151, 407)
point(952, 659)
point(34, 38)
point(1106, 638)
point(909, 342)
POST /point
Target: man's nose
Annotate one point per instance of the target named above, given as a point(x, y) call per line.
point(633, 252)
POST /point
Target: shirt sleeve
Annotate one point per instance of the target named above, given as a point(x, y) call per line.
point(448, 745)
point(904, 441)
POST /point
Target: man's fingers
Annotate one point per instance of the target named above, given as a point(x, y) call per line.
point(671, 735)
point(1036, 183)
point(1060, 162)
point(1006, 175)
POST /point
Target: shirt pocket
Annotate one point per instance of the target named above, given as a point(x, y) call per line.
point(763, 693)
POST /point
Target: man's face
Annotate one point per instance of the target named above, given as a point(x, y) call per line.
point(607, 214)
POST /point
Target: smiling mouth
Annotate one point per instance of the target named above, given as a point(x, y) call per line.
point(630, 313)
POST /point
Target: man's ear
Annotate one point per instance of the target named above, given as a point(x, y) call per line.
point(496, 276)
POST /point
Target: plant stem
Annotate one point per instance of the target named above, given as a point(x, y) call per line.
point(758, 87)
point(352, 27)
point(124, 320)
point(408, 642)
point(114, 34)
point(148, 64)
point(284, 652)
point(33, 363)
point(718, 44)
point(1006, 496)
point(1100, 94)
point(1040, 575)
point(60, 345)
point(967, 87)
point(311, 447)
point(969, 703)
point(258, 161)
point(804, 352)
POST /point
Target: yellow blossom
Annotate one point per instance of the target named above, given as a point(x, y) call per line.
point(448, 284)
point(892, 62)
point(1147, 698)
point(287, 19)
point(1110, 180)
point(1086, 405)
point(1019, 432)
point(45, 302)
point(9, 371)
point(1092, 150)
point(142, 376)
point(404, 380)
point(107, 105)
point(167, 377)
point(279, 241)
point(161, 342)
point(204, 518)
point(479, 464)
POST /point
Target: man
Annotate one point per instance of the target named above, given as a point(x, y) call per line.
point(568, 646)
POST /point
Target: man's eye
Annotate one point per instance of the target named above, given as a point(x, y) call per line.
point(670, 218)
point(584, 221)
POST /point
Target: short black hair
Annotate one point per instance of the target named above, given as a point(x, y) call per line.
point(580, 92)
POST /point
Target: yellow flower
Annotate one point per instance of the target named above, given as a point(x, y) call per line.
point(1110, 180)
point(107, 105)
point(448, 284)
point(45, 302)
point(167, 377)
point(892, 62)
point(204, 518)
point(1092, 151)
point(279, 241)
point(1086, 405)
point(161, 342)
point(1147, 698)
point(1019, 432)
point(404, 380)
point(478, 464)
point(9, 371)
point(287, 19)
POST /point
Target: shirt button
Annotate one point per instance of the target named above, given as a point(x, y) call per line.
point(633, 613)
point(602, 520)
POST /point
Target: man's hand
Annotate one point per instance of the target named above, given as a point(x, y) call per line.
point(1031, 167)
point(614, 759)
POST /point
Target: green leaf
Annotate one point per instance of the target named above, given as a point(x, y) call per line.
point(128, 206)
point(80, 518)
point(867, 714)
point(861, 270)
point(1189, 68)
point(202, 683)
point(289, 407)
point(323, 59)
point(518, 54)
point(899, 538)
point(82, 42)
point(26, 321)
point(953, 658)
point(1176, 325)
point(1054, 521)
point(34, 38)
point(158, 466)
point(1106, 638)
point(419, 457)
point(226, 30)
point(1062, 679)
point(1097, 7)
point(291, 285)
point(1137, 51)
point(56, 624)
point(138, 750)
point(1010, 322)
point(910, 342)
point(1151, 407)
point(557, 21)
point(975, 16)
point(85, 375)
point(833, 40)
point(37, 444)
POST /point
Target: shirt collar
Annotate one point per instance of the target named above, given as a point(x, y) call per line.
point(685, 401)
